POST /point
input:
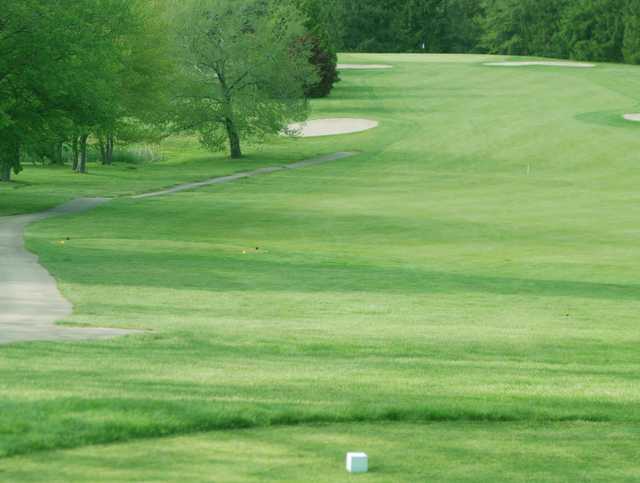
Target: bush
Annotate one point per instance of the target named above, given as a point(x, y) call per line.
point(326, 63)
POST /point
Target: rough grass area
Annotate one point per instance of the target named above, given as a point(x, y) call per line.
point(475, 265)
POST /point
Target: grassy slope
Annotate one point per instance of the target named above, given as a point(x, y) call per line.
point(39, 187)
point(477, 261)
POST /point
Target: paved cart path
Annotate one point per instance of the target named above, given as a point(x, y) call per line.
point(30, 302)
point(246, 174)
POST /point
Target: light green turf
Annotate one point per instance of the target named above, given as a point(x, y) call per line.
point(182, 160)
point(478, 261)
point(397, 453)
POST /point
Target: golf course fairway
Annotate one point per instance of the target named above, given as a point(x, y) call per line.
point(460, 299)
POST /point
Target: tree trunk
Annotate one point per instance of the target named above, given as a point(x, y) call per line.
point(57, 153)
point(5, 171)
point(110, 143)
point(82, 164)
point(106, 149)
point(229, 124)
point(75, 153)
point(234, 139)
point(103, 150)
point(9, 161)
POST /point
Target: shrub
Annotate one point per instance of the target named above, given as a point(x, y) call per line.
point(326, 63)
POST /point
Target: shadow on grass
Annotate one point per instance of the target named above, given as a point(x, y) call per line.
point(608, 118)
point(75, 422)
point(223, 272)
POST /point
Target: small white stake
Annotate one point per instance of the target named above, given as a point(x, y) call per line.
point(357, 462)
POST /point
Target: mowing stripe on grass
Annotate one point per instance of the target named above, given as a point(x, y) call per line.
point(29, 295)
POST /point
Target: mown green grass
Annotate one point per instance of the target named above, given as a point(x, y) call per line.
point(181, 160)
point(477, 261)
point(397, 452)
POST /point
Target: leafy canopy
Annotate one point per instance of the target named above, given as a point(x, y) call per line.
point(244, 68)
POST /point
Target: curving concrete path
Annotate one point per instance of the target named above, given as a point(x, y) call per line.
point(30, 302)
point(245, 174)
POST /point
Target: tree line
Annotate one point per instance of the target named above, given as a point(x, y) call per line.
point(80, 75)
point(593, 30)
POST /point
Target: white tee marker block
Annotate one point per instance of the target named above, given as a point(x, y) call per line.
point(357, 462)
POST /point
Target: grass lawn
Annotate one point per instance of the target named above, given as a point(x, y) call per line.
point(182, 160)
point(398, 452)
point(460, 299)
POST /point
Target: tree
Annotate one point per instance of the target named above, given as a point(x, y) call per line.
point(141, 93)
point(28, 48)
point(412, 25)
point(326, 63)
point(72, 69)
point(121, 73)
point(631, 43)
point(463, 25)
point(523, 27)
point(323, 22)
point(371, 26)
point(594, 30)
point(244, 69)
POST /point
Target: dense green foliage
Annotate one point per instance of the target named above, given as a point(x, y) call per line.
point(631, 43)
point(71, 69)
point(323, 22)
point(245, 65)
point(597, 30)
point(411, 26)
point(81, 74)
point(577, 29)
point(326, 62)
point(476, 265)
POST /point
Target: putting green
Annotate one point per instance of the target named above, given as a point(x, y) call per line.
point(475, 264)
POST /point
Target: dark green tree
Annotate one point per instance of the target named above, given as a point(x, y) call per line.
point(594, 30)
point(30, 46)
point(631, 42)
point(523, 27)
point(70, 69)
point(323, 23)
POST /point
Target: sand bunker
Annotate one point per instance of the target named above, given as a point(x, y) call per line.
point(330, 127)
point(545, 63)
point(632, 117)
point(363, 66)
